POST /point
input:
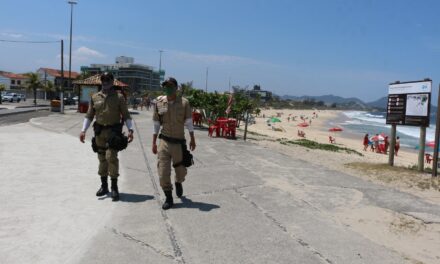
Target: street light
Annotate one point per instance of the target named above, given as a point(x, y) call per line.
point(160, 65)
point(71, 3)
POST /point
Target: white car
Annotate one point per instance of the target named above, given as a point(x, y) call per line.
point(11, 97)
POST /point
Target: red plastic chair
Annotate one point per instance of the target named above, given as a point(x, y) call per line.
point(331, 139)
point(213, 126)
point(229, 129)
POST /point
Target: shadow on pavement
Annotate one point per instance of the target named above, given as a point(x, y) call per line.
point(188, 203)
point(130, 197)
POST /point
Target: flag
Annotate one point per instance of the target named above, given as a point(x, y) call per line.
point(228, 109)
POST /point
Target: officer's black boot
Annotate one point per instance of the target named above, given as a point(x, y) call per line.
point(179, 189)
point(104, 187)
point(168, 201)
point(115, 191)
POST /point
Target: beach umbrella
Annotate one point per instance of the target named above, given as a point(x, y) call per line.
point(379, 137)
point(430, 144)
point(335, 129)
point(274, 120)
point(303, 124)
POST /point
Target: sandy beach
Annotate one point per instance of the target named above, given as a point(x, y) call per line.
point(369, 165)
point(398, 231)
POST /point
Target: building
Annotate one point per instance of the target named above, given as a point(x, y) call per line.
point(13, 81)
point(254, 93)
point(139, 77)
point(54, 76)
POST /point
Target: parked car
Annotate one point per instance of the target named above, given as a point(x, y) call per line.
point(69, 101)
point(11, 97)
point(22, 97)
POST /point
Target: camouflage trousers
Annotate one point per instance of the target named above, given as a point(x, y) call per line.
point(168, 152)
point(108, 158)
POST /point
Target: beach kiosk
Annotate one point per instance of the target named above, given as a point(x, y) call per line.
point(91, 85)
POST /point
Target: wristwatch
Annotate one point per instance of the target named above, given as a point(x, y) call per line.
point(131, 130)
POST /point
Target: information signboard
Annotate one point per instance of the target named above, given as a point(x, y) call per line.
point(87, 92)
point(409, 103)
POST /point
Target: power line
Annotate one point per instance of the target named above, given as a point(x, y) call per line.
point(28, 41)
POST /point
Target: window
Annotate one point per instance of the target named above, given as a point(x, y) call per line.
point(12, 81)
point(18, 82)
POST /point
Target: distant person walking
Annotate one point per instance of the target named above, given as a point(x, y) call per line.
point(109, 108)
point(397, 146)
point(387, 144)
point(376, 143)
point(366, 142)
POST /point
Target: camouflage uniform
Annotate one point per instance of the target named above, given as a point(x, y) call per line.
point(108, 109)
point(172, 118)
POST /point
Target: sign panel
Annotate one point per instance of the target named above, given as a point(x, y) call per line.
point(87, 92)
point(409, 103)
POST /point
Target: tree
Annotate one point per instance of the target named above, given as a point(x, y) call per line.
point(2, 88)
point(33, 83)
point(48, 87)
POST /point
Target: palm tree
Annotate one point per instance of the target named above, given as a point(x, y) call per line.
point(33, 83)
point(48, 87)
point(2, 88)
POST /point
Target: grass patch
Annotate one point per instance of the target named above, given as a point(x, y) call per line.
point(315, 145)
point(406, 176)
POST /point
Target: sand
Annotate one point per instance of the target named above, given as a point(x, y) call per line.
point(413, 238)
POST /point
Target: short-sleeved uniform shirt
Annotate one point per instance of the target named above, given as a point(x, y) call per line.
point(172, 116)
point(108, 108)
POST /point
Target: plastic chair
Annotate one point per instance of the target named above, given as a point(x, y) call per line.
point(213, 126)
point(331, 139)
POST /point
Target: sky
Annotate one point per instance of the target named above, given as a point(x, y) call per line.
point(310, 47)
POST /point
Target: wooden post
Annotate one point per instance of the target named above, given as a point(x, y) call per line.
point(422, 148)
point(246, 125)
point(392, 145)
point(437, 135)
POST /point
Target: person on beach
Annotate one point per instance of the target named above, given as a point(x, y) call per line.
point(110, 110)
point(397, 146)
point(387, 144)
point(376, 143)
point(366, 142)
point(173, 114)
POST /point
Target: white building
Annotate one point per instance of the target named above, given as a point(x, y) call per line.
point(13, 81)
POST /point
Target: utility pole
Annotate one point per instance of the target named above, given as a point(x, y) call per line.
point(71, 3)
point(206, 86)
point(437, 137)
point(62, 78)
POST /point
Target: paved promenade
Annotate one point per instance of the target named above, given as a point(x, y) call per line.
point(242, 204)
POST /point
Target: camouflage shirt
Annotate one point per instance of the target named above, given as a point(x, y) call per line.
point(172, 116)
point(108, 108)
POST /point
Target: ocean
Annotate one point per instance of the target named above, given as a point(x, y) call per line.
point(374, 123)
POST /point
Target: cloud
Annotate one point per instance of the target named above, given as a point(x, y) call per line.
point(11, 35)
point(83, 54)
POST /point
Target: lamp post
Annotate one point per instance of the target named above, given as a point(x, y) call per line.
point(160, 65)
point(71, 3)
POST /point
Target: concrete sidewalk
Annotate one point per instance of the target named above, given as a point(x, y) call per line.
point(242, 204)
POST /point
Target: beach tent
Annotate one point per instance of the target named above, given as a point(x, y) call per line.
point(274, 120)
point(335, 129)
point(303, 124)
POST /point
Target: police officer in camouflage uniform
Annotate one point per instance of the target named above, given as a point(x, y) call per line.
point(108, 107)
point(172, 113)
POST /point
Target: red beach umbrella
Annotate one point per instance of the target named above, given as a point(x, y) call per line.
point(335, 129)
point(430, 144)
point(303, 124)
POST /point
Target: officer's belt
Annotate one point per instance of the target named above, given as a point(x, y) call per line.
point(107, 126)
point(172, 140)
